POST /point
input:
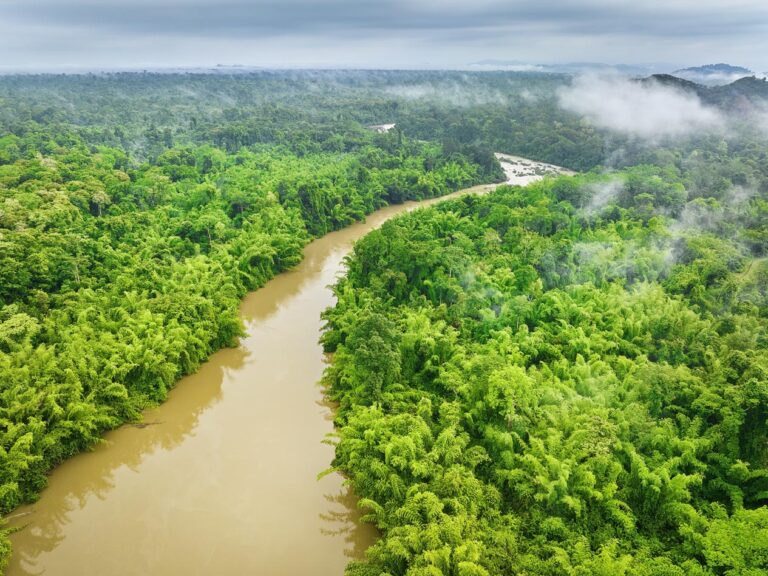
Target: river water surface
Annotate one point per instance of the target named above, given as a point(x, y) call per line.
point(221, 478)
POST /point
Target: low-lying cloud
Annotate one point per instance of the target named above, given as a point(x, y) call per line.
point(700, 215)
point(452, 93)
point(711, 79)
point(602, 194)
point(646, 110)
point(761, 121)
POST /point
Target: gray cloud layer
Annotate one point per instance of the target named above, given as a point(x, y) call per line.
point(447, 32)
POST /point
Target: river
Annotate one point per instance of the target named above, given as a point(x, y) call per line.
point(221, 478)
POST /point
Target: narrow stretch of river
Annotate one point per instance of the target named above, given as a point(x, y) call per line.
point(221, 478)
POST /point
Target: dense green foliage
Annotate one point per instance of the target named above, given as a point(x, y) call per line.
point(565, 379)
point(568, 379)
point(308, 111)
point(322, 111)
point(118, 278)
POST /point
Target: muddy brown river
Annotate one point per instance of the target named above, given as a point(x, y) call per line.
point(220, 479)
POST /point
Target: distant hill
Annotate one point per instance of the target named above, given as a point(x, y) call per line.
point(564, 68)
point(713, 74)
point(744, 94)
point(716, 69)
point(675, 82)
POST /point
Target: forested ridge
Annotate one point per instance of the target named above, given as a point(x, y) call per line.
point(565, 379)
point(308, 111)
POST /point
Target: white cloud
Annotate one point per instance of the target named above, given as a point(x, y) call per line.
point(645, 110)
point(603, 194)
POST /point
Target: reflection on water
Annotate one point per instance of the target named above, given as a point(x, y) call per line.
point(92, 475)
point(222, 478)
point(341, 520)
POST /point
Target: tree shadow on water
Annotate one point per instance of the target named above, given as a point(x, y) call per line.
point(342, 520)
point(43, 526)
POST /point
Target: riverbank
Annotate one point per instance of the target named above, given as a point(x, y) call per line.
point(221, 477)
point(523, 171)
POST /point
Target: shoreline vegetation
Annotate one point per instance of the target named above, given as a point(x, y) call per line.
point(529, 382)
point(120, 280)
point(274, 393)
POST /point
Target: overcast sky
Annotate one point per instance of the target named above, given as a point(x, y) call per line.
point(49, 34)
